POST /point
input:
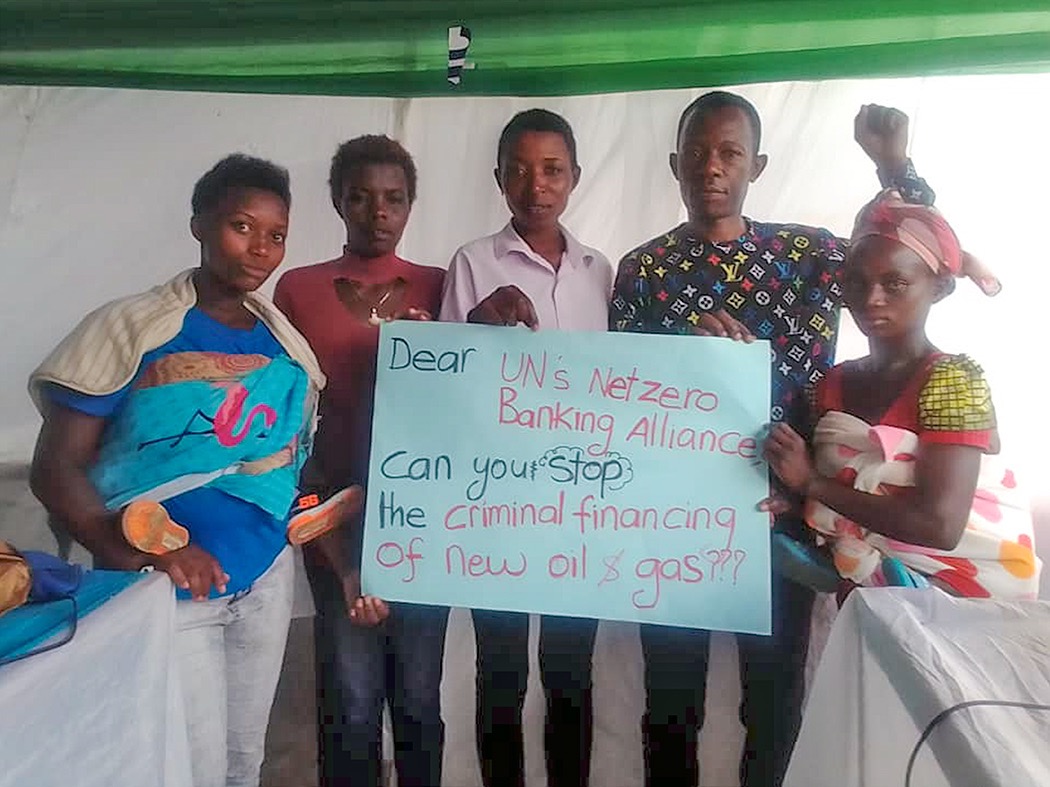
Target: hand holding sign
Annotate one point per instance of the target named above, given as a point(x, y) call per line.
point(722, 323)
point(505, 306)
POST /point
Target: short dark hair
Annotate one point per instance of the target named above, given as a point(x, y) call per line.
point(369, 149)
point(239, 171)
point(535, 120)
point(714, 101)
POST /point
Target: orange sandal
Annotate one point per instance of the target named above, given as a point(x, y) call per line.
point(147, 527)
point(312, 516)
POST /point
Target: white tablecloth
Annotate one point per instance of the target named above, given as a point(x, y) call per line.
point(104, 710)
point(896, 659)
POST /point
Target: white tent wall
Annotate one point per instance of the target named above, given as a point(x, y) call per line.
point(95, 185)
point(94, 203)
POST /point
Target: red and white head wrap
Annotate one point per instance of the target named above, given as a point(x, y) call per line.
point(923, 230)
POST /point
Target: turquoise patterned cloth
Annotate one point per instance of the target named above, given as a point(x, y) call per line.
point(193, 428)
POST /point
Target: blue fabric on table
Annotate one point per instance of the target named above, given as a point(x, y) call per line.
point(27, 627)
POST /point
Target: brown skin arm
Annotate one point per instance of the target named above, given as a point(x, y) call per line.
point(932, 514)
point(65, 449)
point(330, 548)
point(362, 610)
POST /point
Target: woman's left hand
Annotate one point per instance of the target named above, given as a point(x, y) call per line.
point(787, 455)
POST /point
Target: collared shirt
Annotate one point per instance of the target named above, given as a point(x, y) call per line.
point(574, 297)
point(782, 281)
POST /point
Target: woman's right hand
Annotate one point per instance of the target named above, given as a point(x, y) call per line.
point(193, 569)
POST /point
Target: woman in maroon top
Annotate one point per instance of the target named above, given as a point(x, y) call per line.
point(368, 653)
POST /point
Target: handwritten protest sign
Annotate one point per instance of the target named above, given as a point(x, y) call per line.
point(612, 476)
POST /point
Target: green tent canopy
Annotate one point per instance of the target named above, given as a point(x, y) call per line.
point(558, 47)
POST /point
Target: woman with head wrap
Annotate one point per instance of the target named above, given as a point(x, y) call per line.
point(901, 485)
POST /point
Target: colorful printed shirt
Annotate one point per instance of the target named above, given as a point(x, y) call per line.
point(780, 280)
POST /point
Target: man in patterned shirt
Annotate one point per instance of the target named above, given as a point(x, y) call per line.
point(723, 274)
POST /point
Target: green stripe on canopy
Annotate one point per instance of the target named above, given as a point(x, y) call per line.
point(559, 47)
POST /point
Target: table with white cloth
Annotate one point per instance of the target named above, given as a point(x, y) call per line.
point(895, 661)
point(103, 710)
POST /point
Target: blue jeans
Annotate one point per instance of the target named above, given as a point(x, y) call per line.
point(358, 670)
